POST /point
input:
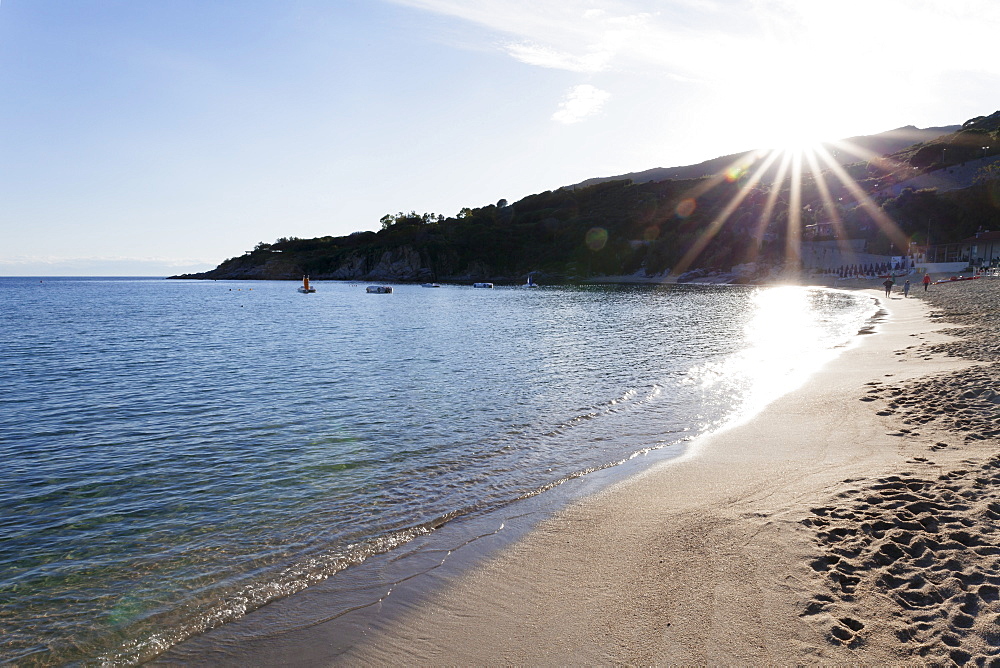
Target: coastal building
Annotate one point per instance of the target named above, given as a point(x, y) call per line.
point(824, 230)
point(982, 250)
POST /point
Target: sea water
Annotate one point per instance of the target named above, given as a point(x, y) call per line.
point(178, 453)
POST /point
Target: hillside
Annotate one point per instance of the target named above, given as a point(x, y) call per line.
point(651, 228)
point(883, 143)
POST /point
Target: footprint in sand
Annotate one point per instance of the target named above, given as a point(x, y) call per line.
point(928, 549)
point(846, 632)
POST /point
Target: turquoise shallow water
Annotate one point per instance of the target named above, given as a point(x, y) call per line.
point(177, 453)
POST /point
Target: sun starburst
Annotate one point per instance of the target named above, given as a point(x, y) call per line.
point(784, 174)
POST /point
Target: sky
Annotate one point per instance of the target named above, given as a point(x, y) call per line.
point(157, 137)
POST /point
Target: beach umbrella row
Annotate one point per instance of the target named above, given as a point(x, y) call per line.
point(873, 269)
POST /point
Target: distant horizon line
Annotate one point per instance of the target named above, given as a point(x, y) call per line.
point(57, 277)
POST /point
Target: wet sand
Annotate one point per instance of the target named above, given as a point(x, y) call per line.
point(850, 522)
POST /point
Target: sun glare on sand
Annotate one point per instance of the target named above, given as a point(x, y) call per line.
point(782, 351)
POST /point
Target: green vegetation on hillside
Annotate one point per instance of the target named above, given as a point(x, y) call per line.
point(620, 227)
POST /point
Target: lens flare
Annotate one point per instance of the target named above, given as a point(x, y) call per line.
point(734, 174)
point(686, 207)
point(781, 181)
point(596, 238)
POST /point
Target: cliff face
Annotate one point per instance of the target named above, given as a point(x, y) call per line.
point(248, 267)
point(403, 264)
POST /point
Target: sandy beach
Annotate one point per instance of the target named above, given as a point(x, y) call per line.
point(853, 521)
point(850, 522)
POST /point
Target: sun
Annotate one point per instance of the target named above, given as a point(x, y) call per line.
point(798, 136)
point(799, 161)
point(798, 146)
point(791, 123)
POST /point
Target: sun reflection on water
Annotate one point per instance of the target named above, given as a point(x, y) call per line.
point(792, 333)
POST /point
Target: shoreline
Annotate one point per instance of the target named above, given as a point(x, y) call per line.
point(797, 536)
point(733, 553)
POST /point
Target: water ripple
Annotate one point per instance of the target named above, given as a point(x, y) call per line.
point(179, 452)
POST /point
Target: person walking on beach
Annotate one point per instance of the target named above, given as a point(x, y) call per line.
point(888, 286)
point(906, 288)
point(927, 281)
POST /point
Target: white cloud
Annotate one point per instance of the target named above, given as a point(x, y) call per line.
point(765, 60)
point(723, 40)
point(579, 102)
point(573, 35)
point(542, 56)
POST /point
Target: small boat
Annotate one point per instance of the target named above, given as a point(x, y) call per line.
point(531, 281)
point(305, 288)
point(430, 285)
point(379, 289)
point(955, 278)
point(482, 285)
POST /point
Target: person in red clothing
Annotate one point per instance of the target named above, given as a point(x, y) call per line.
point(927, 281)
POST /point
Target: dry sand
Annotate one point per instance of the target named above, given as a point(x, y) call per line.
point(853, 521)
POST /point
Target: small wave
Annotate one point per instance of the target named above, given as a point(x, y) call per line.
point(625, 401)
point(251, 596)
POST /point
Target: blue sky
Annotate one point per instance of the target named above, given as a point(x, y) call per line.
point(151, 137)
